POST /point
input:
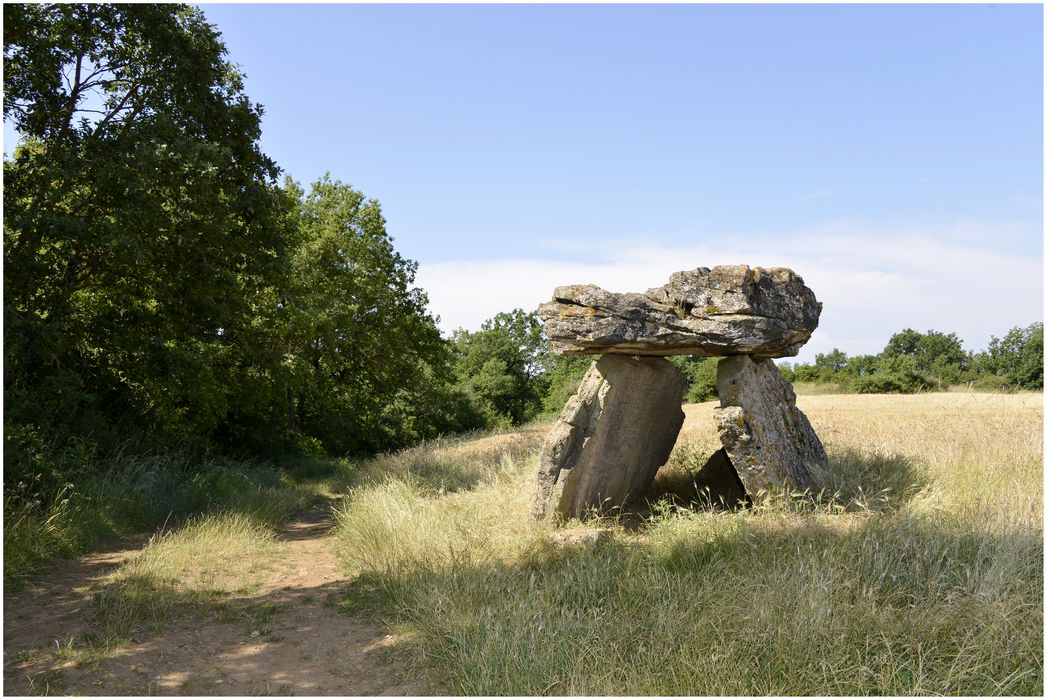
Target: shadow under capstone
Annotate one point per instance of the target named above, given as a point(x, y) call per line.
point(716, 486)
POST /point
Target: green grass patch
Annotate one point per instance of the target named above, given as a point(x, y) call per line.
point(133, 493)
point(192, 569)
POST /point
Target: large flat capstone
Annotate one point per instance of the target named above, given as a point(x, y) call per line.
point(611, 437)
point(768, 439)
point(726, 310)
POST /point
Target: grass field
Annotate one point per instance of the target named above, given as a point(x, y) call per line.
point(920, 571)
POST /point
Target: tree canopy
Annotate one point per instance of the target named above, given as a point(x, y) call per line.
point(160, 282)
point(502, 366)
point(140, 215)
point(355, 331)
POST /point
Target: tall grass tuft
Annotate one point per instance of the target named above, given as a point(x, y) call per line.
point(918, 570)
point(184, 571)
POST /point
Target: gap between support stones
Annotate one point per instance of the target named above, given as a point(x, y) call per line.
point(621, 426)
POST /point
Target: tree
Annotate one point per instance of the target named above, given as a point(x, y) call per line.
point(564, 374)
point(831, 363)
point(701, 376)
point(903, 343)
point(861, 365)
point(503, 366)
point(935, 354)
point(1018, 356)
point(352, 329)
point(803, 372)
point(140, 218)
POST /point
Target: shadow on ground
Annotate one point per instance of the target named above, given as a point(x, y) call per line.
point(288, 642)
point(852, 481)
point(144, 637)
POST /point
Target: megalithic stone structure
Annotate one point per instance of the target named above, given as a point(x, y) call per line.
point(611, 436)
point(620, 427)
point(768, 439)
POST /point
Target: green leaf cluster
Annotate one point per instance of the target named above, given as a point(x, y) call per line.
point(502, 368)
point(701, 376)
point(1017, 357)
point(140, 219)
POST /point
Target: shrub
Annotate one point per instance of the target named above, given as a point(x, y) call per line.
point(701, 374)
point(907, 383)
point(998, 382)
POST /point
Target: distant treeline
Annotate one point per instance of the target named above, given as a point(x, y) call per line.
point(507, 371)
point(914, 361)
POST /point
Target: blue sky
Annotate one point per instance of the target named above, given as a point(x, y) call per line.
point(890, 154)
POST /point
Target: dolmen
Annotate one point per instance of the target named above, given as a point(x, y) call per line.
point(620, 427)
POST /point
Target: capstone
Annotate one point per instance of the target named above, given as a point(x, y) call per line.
point(726, 310)
point(621, 424)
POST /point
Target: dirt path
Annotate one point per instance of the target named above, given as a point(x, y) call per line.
point(297, 642)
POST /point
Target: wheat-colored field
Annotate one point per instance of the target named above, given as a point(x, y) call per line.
point(917, 570)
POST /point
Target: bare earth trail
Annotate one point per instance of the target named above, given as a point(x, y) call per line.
point(302, 645)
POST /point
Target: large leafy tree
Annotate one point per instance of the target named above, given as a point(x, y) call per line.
point(355, 330)
point(141, 219)
point(503, 366)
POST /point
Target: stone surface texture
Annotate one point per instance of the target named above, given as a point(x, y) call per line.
point(611, 437)
point(768, 439)
point(726, 310)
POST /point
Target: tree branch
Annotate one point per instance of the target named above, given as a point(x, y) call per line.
point(74, 96)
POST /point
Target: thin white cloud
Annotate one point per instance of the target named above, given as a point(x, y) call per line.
point(873, 283)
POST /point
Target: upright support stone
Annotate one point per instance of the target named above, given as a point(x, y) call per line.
point(612, 436)
point(768, 439)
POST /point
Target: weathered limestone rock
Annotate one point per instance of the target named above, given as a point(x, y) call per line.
point(728, 310)
point(769, 440)
point(611, 437)
point(620, 427)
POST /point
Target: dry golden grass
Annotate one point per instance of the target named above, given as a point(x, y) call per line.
point(923, 576)
point(975, 448)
